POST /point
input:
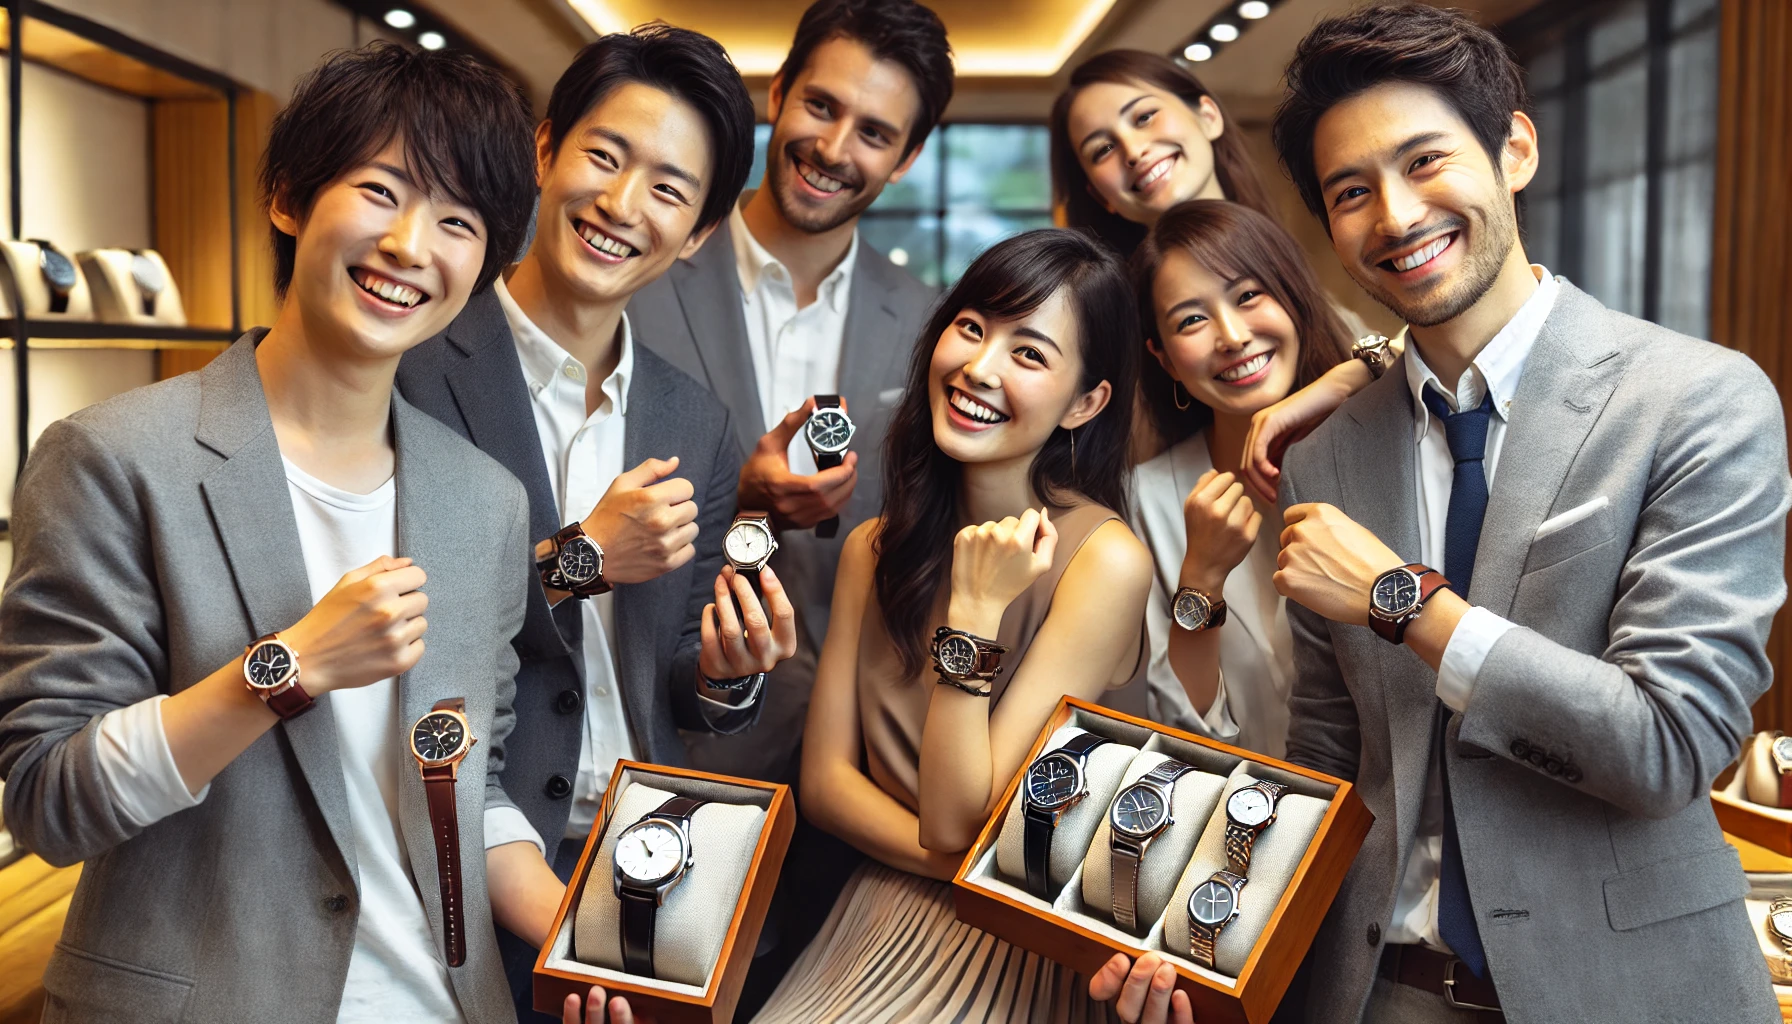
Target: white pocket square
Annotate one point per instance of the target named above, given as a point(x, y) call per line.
point(1556, 524)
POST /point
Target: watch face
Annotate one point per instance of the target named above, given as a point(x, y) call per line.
point(438, 736)
point(580, 561)
point(1192, 610)
point(649, 852)
point(1140, 810)
point(269, 665)
point(1782, 749)
point(1396, 592)
point(1053, 781)
point(1249, 807)
point(957, 655)
point(1781, 924)
point(1211, 903)
point(57, 269)
point(829, 430)
point(148, 274)
point(748, 543)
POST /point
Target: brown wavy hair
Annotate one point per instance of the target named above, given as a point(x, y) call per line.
point(921, 483)
point(1236, 171)
point(1233, 241)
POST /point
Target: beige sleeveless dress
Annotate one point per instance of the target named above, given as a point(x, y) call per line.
point(892, 951)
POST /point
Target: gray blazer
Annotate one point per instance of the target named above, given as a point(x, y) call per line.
point(693, 316)
point(471, 379)
point(1582, 768)
point(153, 539)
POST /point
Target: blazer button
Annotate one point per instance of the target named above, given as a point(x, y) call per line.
point(1536, 757)
point(1520, 749)
point(1571, 774)
point(1374, 935)
point(336, 904)
point(568, 701)
point(1552, 766)
point(558, 786)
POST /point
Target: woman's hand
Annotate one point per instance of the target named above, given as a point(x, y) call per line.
point(593, 1010)
point(1275, 428)
point(1143, 992)
point(995, 563)
point(1222, 525)
point(369, 627)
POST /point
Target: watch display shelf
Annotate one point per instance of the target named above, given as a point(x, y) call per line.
point(558, 974)
point(1084, 938)
point(1762, 824)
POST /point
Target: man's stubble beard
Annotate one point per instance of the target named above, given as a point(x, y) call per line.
point(1479, 271)
point(797, 214)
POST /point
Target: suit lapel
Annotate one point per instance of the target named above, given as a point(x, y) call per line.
point(871, 343)
point(651, 431)
point(252, 510)
point(708, 290)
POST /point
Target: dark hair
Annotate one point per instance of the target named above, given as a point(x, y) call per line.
point(1441, 49)
point(1232, 164)
point(920, 513)
point(894, 30)
point(1232, 242)
point(465, 129)
point(685, 64)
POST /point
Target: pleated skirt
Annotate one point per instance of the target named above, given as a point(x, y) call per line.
point(893, 952)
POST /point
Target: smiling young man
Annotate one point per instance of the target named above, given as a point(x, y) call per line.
point(1533, 569)
point(212, 643)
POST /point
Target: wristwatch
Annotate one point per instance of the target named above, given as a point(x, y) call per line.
point(828, 432)
point(59, 274)
point(1376, 352)
point(439, 741)
point(149, 277)
point(1211, 907)
point(1398, 596)
point(749, 543)
point(573, 563)
point(1197, 610)
point(1054, 783)
point(271, 668)
point(1780, 750)
point(1249, 810)
point(1139, 815)
point(650, 859)
point(966, 661)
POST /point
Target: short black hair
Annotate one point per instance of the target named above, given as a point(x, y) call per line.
point(894, 30)
point(466, 132)
point(1437, 48)
point(686, 64)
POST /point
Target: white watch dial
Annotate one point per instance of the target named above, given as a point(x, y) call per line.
point(1781, 924)
point(747, 543)
point(1248, 807)
point(649, 852)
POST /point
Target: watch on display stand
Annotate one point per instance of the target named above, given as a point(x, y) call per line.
point(1211, 907)
point(1139, 814)
point(650, 858)
point(1054, 783)
point(439, 742)
point(59, 274)
point(151, 280)
point(1779, 751)
point(1249, 810)
point(828, 431)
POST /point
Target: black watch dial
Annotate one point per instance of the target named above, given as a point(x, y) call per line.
point(1212, 903)
point(1396, 592)
point(1140, 810)
point(957, 655)
point(829, 430)
point(580, 561)
point(1192, 610)
point(438, 736)
point(269, 665)
point(58, 270)
point(1052, 781)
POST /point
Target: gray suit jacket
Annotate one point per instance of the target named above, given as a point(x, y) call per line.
point(154, 539)
point(1582, 767)
point(471, 379)
point(693, 316)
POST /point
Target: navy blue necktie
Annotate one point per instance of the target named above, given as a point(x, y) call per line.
point(1467, 433)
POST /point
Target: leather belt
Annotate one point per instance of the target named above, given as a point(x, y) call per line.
point(1440, 974)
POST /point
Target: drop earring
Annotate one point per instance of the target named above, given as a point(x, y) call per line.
point(1180, 404)
point(1073, 453)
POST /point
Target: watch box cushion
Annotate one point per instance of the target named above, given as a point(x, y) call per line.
point(1102, 771)
point(1192, 803)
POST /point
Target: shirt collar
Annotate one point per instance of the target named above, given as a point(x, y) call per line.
point(754, 263)
point(545, 362)
point(1496, 368)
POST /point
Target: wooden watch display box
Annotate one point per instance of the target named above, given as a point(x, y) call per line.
point(1756, 776)
point(557, 974)
point(1083, 939)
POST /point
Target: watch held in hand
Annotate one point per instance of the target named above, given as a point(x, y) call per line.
point(749, 543)
point(573, 563)
point(1197, 610)
point(439, 742)
point(1398, 596)
point(650, 858)
point(1140, 813)
point(1376, 352)
point(271, 668)
point(1211, 907)
point(966, 661)
point(1780, 752)
point(1249, 810)
point(59, 274)
point(1054, 783)
point(829, 431)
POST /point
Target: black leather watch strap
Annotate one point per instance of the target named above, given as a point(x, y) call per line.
point(638, 912)
point(1081, 744)
point(1037, 847)
point(830, 526)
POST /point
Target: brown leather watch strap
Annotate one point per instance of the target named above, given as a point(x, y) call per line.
point(1430, 582)
point(291, 701)
point(1786, 789)
point(444, 824)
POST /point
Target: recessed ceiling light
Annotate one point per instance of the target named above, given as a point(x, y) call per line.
point(398, 17)
point(1198, 51)
point(1251, 10)
point(431, 41)
point(1224, 32)
point(899, 256)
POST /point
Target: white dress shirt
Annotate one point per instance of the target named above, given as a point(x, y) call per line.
point(1495, 369)
point(796, 351)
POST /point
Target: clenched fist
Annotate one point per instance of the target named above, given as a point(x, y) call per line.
point(646, 524)
point(1221, 523)
point(369, 627)
point(994, 563)
point(1329, 562)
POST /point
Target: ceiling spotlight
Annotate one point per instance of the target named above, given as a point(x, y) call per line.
point(1223, 32)
point(1197, 52)
point(432, 40)
point(1251, 10)
point(398, 17)
point(899, 256)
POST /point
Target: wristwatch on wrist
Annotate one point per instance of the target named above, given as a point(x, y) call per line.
point(1398, 596)
point(1197, 610)
point(828, 431)
point(1249, 810)
point(650, 859)
point(150, 279)
point(271, 668)
point(574, 563)
point(749, 543)
point(966, 661)
point(440, 741)
point(1054, 783)
point(1211, 907)
point(1140, 813)
point(59, 274)
point(1376, 352)
point(750, 683)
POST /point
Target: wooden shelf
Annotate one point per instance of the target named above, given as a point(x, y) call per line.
point(104, 61)
point(87, 334)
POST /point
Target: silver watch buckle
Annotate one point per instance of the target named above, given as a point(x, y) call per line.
point(1450, 999)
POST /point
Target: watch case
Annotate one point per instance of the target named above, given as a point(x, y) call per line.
point(1102, 772)
point(1195, 798)
point(117, 298)
point(21, 260)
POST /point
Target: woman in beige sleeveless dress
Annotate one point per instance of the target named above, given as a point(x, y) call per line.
point(1005, 482)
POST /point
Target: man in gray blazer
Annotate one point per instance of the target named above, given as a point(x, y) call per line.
point(1605, 501)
